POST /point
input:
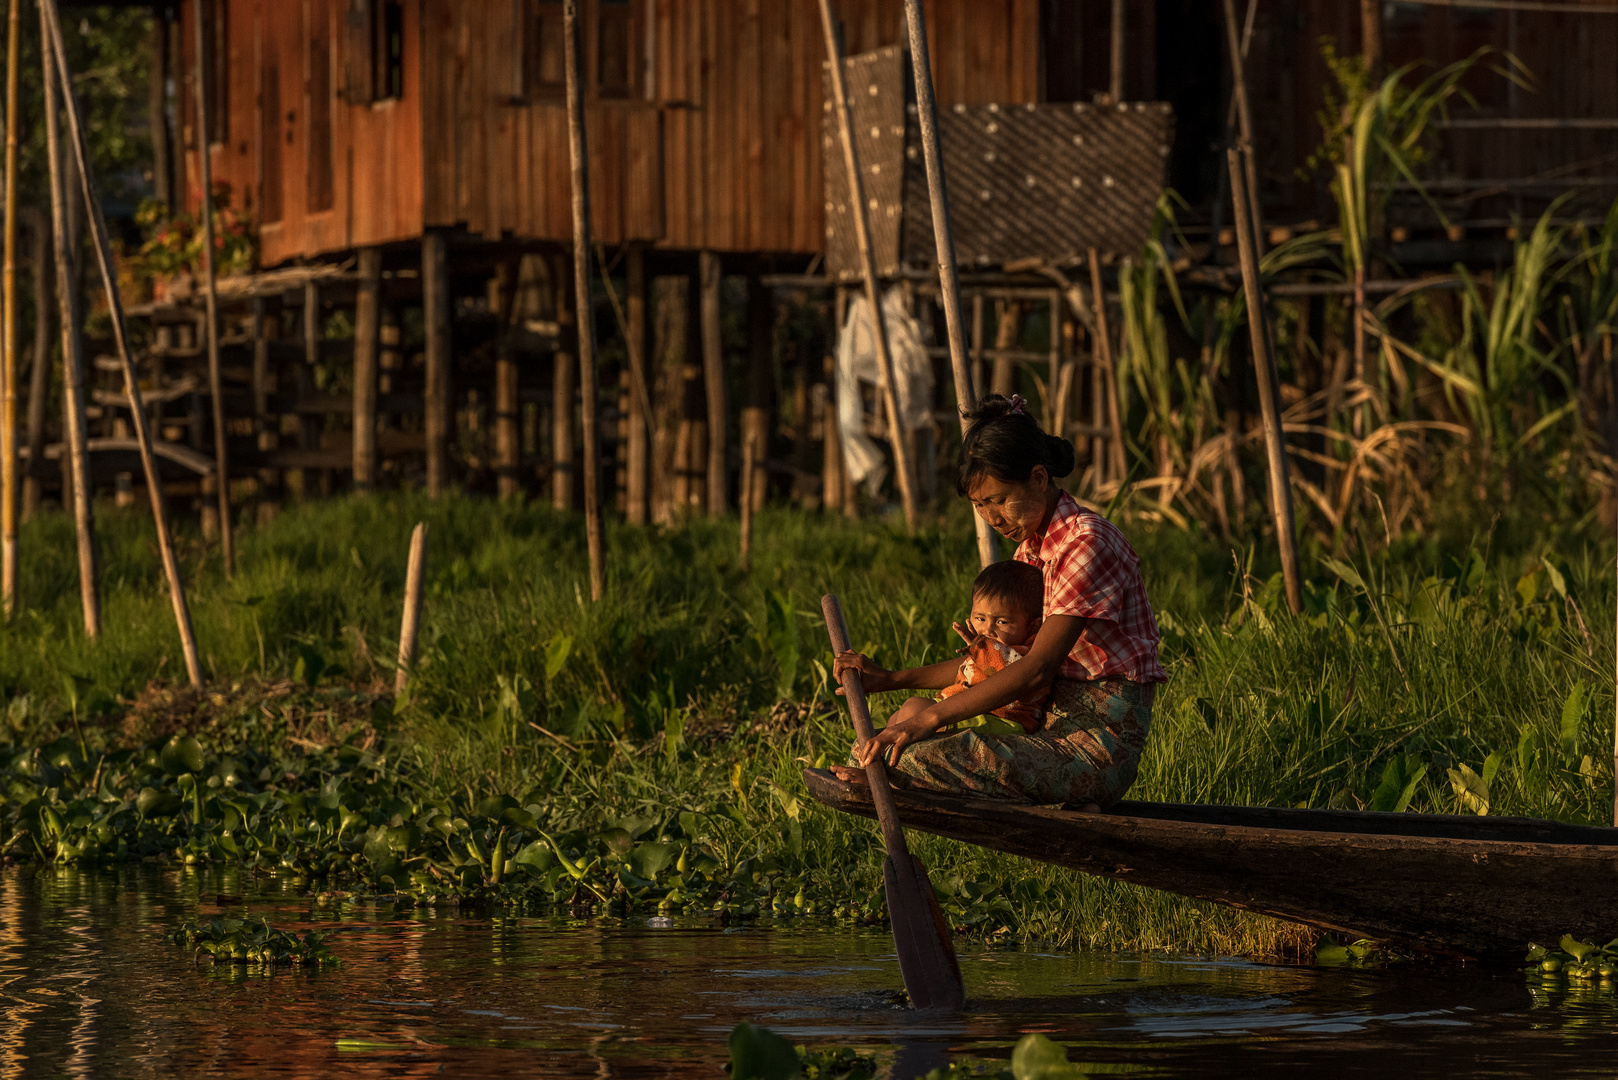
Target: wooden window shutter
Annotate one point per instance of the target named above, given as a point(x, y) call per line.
point(359, 52)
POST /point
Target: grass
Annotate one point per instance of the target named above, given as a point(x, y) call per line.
point(1465, 670)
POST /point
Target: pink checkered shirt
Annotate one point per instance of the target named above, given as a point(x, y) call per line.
point(1092, 572)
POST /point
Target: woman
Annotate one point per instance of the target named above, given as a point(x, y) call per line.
point(1097, 647)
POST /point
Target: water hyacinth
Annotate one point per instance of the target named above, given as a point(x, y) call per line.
point(1574, 961)
point(252, 941)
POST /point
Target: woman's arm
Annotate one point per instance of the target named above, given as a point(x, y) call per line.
point(1034, 671)
point(876, 678)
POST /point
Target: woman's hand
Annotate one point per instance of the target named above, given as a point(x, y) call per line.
point(891, 741)
point(873, 676)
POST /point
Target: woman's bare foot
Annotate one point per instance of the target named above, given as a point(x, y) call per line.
point(848, 775)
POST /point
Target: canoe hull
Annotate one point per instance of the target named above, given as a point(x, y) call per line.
point(1476, 888)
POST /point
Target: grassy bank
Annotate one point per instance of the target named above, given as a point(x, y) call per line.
point(1469, 669)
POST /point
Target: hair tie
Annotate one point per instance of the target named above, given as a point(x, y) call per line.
point(1017, 402)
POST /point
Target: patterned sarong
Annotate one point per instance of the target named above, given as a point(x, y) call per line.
point(1088, 750)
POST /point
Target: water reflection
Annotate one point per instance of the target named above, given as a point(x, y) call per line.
point(89, 988)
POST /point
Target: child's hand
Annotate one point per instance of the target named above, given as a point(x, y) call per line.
point(968, 635)
point(873, 676)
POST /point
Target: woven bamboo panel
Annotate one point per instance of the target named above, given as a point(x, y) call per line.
point(1041, 181)
point(876, 96)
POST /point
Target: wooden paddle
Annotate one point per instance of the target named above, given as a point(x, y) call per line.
point(926, 954)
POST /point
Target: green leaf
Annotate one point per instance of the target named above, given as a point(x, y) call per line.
point(673, 734)
point(757, 1053)
point(1344, 571)
point(1329, 952)
point(1038, 1058)
point(1471, 789)
point(557, 651)
point(1557, 582)
point(1205, 709)
point(781, 637)
point(651, 859)
point(1528, 587)
point(1398, 785)
point(1576, 949)
point(1491, 767)
point(1573, 710)
point(181, 754)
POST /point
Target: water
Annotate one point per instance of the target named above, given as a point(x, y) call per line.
point(91, 990)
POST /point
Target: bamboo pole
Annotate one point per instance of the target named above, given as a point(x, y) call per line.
point(1269, 386)
point(76, 466)
point(949, 282)
point(873, 287)
point(1244, 119)
point(713, 377)
point(109, 277)
point(1109, 375)
point(210, 307)
point(581, 291)
point(410, 623)
point(8, 365)
point(39, 370)
point(367, 348)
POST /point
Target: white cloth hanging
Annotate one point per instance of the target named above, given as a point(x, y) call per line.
point(857, 363)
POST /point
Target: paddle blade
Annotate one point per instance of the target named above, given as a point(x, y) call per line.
point(932, 976)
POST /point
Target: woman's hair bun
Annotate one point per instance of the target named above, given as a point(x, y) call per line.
point(1006, 442)
point(1060, 458)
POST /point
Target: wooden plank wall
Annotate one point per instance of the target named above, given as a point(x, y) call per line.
point(376, 149)
point(723, 152)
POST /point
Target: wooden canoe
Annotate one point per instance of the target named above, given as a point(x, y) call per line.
point(1474, 887)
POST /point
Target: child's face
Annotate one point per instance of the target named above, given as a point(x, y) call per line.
point(1003, 620)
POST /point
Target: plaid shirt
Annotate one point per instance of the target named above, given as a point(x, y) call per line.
point(1092, 572)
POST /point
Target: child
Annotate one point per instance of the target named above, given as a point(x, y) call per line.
point(1006, 614)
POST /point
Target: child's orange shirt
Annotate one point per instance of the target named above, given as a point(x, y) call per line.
point(988, 656)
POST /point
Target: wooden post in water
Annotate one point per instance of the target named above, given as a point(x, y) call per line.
point(709, 276)
point(873, 287)
point(76, 482)
point(435, 303)
point(410, 624)
point(210, 301)
point(8, 336)
point(949, 284)
point(579, 156)
point(52, 28)
point(1269, 386)
point(367, 347)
